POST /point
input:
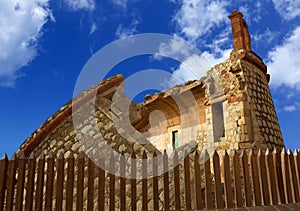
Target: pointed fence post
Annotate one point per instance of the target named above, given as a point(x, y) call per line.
point(237, 179)
point(227, 181)
point(144, 182)
point(218, 185)
point(294, 181)
point(80, 181)
point(30, 182)
point(133, 182)
point(255, 178)
point(208, 182)
point(122, 182)
point(112, 182)
point(49, 183)
point(286, 176)
point(70, 183)
point(271, 178)
point(245, 167)
point(296, 172)
point(3, 179)
point(20, 182)
point(187, 182)
point(101, 184)
point(166, 181)
point(279, 178)
point(11, 181)
point(155, 182)
point(198, 188)
point(261, 160)
point(176, 181)
point(40, 183)
point(59, 182)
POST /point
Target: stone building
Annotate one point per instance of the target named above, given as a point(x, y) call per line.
point(230, 108)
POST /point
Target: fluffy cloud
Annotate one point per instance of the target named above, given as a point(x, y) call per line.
point(290, 108)
point(288, 9)
point(197, 17)
point(123, 32)
point(120, 3)
point(284, 63)
point(20, 27)
point(80, 4)
point(194, 64)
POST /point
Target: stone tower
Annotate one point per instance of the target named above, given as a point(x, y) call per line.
point(257, 120)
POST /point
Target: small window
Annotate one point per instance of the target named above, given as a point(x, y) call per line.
point(175, 139)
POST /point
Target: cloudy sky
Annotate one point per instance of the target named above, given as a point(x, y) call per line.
point(44, 44)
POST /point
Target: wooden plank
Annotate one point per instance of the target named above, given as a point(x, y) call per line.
point(227, 181)
point(59, 182)
point(11, 183)
point(155, 182)
point(208, 182)
point(112, 184)
point(30, 183)
point(245, 168)
point(218, 184)
point(279, 178)
point(40, 183)
point(237, 179)
point(272, 178)
point(49, 182)
point(255, 178)
point(133, 182)
point(198, 189)
point(166, 181)
point(261, 160)
point(3, 179)
point(294, 181)
point(298, 165)
point(187, 182)
point(20, 182)
point(286, 176)
point(176, 181)
point(122, 183)
point(144, 182)
point(297, 170)
point(91, 179)
point(101, 184)
point(80, 181)
point(70, 183)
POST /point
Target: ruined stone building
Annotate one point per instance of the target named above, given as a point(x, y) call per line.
point(233, 109)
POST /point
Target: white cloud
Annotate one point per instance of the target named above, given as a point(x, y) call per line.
point(80, 4)
point(123, 32)
point(93, 28)
point(21, 24)
point(120, 3)
point(284, 63)
point(197, 17)
point(266, 37)
point(290, 108)
point(288, 9)
point(194, 64)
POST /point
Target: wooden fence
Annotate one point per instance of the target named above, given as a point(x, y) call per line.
point(240, 179)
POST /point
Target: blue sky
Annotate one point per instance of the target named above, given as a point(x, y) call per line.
point(44, 44)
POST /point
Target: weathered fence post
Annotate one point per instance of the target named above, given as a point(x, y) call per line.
point(133, 181)
point(176, 181)
point(237, 179)
point(49, 183)
point(218, 185)
point(20, 182)
point(187, 182)
point(70, 182)
point(155, 182)
point(166, 181)
point(3, 178)
point(227, 181)
point(208, 183)
point(198, 188)
point(144, 182)
point(40, 183)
